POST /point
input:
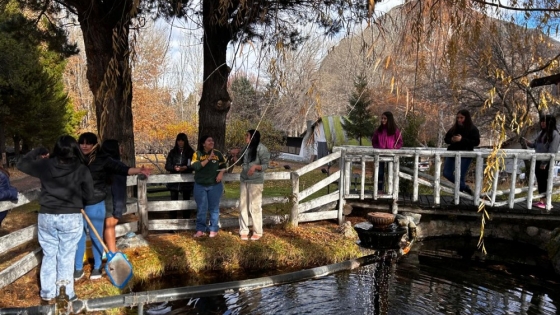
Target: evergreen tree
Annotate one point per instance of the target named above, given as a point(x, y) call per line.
point(358, 123)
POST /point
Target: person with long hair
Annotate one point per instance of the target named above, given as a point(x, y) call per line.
point(255, 162)
point(178, 161)
point(547, 141)
point(115, 203)
point(65, 185)
point(101, 166)
point(209, 166)
point(386, 136)
point(7, 191)
point(462, 136)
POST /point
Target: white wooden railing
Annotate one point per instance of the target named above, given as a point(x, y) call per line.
point(351, 177)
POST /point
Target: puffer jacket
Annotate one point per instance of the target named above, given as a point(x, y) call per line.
point(181, 158)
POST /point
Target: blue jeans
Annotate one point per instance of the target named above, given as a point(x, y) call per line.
point(449, 169)
point(208, 201)
point(58, 235)
point(96, 214)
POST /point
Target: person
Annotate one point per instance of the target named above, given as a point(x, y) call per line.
point(43, 153)
point(463, 136)
point(65, 184)
point(209, 166)
point(386, 136)
point(547, 141)
point(178, 161)
point(7, 191)
point(115, 203)
point(255, 161)
point(101, 166)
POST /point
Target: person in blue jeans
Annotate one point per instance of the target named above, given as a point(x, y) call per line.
point(101, 166)
point(65, 185)
point(209, 166)
point(463, 136)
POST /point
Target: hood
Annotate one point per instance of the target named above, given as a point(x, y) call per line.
point(60, 170)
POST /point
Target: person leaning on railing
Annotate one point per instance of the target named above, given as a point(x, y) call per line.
point(547, 141)
point(386, 136)
point(463, 136)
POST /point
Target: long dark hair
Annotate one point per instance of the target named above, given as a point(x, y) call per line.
point(201, 142)
point(89, 138)
point(391, 125)
point(467, 124)
point(252, 147)
point(181, 136)
point(67, 150)
point(111, 147)
point(546, 134)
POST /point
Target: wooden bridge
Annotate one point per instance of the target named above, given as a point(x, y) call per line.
point(352, 181)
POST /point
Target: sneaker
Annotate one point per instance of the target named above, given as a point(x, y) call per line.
point(213, 234)
point(244, 237)
point(78, 274)
point(255, 237)
point(95, 274)
point(541, 205)
point(198, 234)
point(46, 301)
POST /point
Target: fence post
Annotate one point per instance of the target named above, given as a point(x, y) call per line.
point(341, 185)
point(143, 205)
point(295, 199)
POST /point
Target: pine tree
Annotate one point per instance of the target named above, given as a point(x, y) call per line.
point(358, 123)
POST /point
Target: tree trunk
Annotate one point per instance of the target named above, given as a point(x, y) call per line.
point(105, 31)
point(215, 101)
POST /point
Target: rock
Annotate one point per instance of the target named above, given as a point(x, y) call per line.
point(347, 230)
point(532, 230)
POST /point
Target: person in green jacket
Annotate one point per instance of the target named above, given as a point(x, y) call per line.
point(209, 166)
point(255, 160)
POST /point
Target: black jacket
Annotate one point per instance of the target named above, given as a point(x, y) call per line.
point(470, 138)
point(64, 187)
point(183, 158)
point(101, 168)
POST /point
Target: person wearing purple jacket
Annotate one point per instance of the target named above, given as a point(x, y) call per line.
point(7, 191)
point(386, 136)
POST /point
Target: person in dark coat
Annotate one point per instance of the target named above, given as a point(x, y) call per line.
point(7, 191)
point(179, 162)
point(115, 203)
point(463, 136)
point(101, 166)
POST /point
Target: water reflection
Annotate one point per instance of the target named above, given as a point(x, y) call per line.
point(405, 285)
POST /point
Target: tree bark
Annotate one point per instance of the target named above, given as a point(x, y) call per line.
point(105, 31)
point(215, 101)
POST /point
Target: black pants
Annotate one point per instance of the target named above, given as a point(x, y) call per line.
point(542, 176)
point(175, 196)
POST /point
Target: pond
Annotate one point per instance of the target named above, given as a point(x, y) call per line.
point(437, 277)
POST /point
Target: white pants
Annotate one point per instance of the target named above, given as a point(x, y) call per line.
point(250, 201)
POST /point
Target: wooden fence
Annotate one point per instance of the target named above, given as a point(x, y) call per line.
point(351, 178)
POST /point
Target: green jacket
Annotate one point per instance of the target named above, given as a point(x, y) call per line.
point(206, 176)
point(262, 158)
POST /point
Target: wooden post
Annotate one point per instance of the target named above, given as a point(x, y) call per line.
point(531, 174)
point(143, 227)
point(341, 184)
point(549, 182)
point(415, 178)
point(375, 175)
point(396, 163)
point(437, 179)
point(479, 172)
point(295, 199)
point(511, 196)
point(457, 178)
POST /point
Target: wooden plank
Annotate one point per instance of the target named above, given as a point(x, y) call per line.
point(16, 238)
point(190, 224)
point(318, 216)
point(316, 164)
point(21, 267)
point(143, 207)
point(317, 202)
point(295, 201)
point(173, 205)
point(23, 198)
point(319, 185)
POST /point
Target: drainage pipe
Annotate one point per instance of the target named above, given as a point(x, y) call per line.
point(181, 293)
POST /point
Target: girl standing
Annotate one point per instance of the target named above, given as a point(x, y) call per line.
point(386, 136)
point(179, 162)
point(209, 166)
point(65, 184)
point(255, 162)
